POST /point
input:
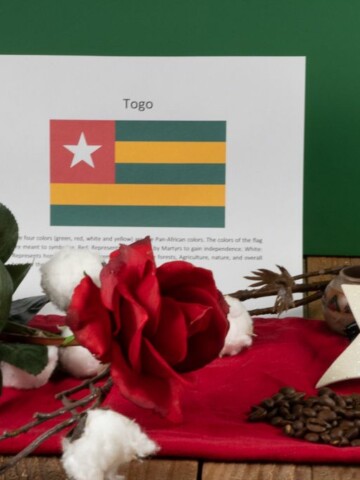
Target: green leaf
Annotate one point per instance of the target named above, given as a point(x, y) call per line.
point(6, 291)
point(9, 233)
point(31, 358)
point(18, 273)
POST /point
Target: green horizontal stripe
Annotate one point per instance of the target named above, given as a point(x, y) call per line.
point(176, 174)
point(105, 216)
point(170, 131)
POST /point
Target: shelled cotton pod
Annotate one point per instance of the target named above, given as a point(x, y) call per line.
point(109, 440)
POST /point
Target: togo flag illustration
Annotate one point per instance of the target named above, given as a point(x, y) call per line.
point(137, 173)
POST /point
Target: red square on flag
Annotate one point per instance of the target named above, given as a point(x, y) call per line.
point(82, 151)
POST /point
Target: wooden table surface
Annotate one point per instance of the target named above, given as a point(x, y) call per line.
point(49, 468)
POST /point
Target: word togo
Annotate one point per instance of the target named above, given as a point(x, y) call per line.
point(140, 105)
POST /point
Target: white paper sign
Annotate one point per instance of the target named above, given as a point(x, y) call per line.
point(204, 154)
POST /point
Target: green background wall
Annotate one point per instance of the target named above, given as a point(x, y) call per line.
point(327, 32)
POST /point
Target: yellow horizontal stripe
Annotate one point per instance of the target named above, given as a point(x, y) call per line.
point(154, 195)
point(170, 152)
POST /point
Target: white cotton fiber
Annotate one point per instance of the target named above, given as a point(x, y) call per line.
point(79, 362)
point(63, 272)
point(109, 441)
point(240, 331)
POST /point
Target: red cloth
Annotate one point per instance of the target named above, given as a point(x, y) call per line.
point(285, 352)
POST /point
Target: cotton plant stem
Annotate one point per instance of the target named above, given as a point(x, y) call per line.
point(70, 406)
point(85, 383)
point(97, 393)
point(34, 444)
point(40, 417)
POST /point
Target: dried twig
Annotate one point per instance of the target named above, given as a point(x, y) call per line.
point(243, 295)
point(104, 373)
point(34, 444)
point(283, 286)
point(297, 303)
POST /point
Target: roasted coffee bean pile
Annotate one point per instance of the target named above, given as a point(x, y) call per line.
point(327, 418)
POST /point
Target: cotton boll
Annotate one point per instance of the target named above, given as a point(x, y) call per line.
point(240, 331)
point(108, 441)
point(17, 378)
point(79, 362)
point(62, 273)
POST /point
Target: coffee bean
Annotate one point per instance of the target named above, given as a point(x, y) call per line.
point(285, 412)
point(336, 433)
point(325, 437)
point(340, 411)
point(268, 403)
point(257, 414)
point(327, 414)
point(272, 413)
point(297, 409)
point(346, 424)
point(277, 421)
point(325, 391)
point(298, 396)
point(288, 429)
point(312, 437)
point(352, 433)
point(298, 425)
point(349, 413)
point(309, 412)
point(287, 391)
point(278, 397)
point(344, 442)
point(328, 401)
point(313, 426)
point(340, 401)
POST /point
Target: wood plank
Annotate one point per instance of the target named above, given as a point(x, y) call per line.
point(314, 310)
point(49, 468)
point(35, 468)
point(255, 471)
point(162, 470)
point(336, 472)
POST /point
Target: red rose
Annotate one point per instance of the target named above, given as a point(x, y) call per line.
point(152, 324)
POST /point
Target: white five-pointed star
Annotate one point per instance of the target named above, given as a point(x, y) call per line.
point(347, 365)
point(82, 151)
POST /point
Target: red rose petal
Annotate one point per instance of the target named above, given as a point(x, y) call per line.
point(171, 336)
point(148, 295)
point(89, 320)
point(147, 391)
point(174, 275)
point(142, 247)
